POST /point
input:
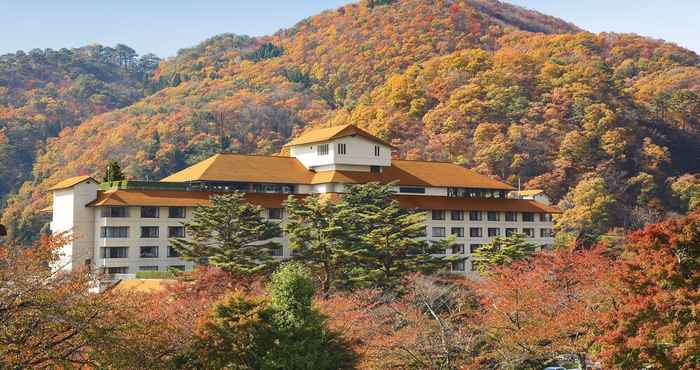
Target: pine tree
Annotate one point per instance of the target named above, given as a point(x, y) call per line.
point(503, 251)
point(317, 238)
point(389, 239)
point(230, 234)
point(113, 172)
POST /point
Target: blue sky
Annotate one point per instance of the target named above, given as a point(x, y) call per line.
point(164, 26)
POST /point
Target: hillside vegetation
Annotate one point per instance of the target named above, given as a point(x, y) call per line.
point(609, 119)
point(44, 91)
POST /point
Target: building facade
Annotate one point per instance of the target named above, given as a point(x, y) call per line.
point(125, 227)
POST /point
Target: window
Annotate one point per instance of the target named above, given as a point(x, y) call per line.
point(115, 212)
point(458, 249)
point(475, 216)
point(546, 233)
point(115, 252)
point(458, 232)
point(177, 267)
point(172, 252)
point(511, 216)
point(117, 270)
point(458, 266)
point(176, 231)
point(474, 247)
point(148, 268)
point(529, 232)
point(545, 217)
point(176, 212)
point(274, 213)
point(411, 190)
point(439, 232)
point(438, 215)
point(476, 232)
point(375, 169)
point(149, 252)
point(493, 216)
point(322, 149)
point(277, 251)
point(510, 231)
point(149, 231)
point(493, 232)
point(457, 216)
point(528, 217)
point(376, 150)
point(342, 149)
point(114, 232)
point(150, 212)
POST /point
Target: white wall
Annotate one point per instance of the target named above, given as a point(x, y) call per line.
point(359, 152)
point(71, 216)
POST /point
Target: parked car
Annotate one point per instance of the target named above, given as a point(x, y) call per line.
point(555, 368)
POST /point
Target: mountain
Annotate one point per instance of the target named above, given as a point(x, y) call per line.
point(45, 91)
point(517, 94)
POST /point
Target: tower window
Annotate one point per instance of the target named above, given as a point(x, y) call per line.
point(322, 149)
point(376, 150)
point(342, 149)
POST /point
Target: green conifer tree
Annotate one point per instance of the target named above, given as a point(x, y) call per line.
point(113, 172)
point(503, 251)
point(230, 234)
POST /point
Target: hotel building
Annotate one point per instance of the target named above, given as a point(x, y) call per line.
point(124, 227)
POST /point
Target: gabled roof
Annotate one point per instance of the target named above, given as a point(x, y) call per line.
point(288, 170)
point(335, 132)
point(71, 182)
point(245, 168)
point(175, 198)
point(416, 173)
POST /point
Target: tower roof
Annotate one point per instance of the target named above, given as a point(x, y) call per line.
point(71, 182)
point(335, 132)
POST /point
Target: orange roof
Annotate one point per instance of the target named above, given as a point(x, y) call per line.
point(245, 168)
point(451, 203)
point(335, 132)
point(174, 198)
point(277, 169)
point(71, 182)
point(142, 285)
point(416, 173)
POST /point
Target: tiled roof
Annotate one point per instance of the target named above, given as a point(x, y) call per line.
point(142, 285)
point(197, 198)
point(449, 203)
point(335, 132)
point(275, 169)
point(174, 198)
point(416, 173)
point(245, 168)
point(69, 183)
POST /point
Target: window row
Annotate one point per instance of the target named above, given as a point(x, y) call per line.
point(125, 269)
point(144, 252)
point(478, 232)
point(146, 212)
point(173, 212)
point(439, 215)
point(147, 232)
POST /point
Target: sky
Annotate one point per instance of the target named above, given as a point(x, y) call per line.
point(164, 26)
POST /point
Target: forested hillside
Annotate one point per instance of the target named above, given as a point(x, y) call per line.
point(607, 120)
point(45, 91)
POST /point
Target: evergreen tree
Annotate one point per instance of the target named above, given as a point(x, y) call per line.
point(230, 234)
point(317, 238)
point(503, 251)
point(389, 240)
point(113, 172)
point(285, 332)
